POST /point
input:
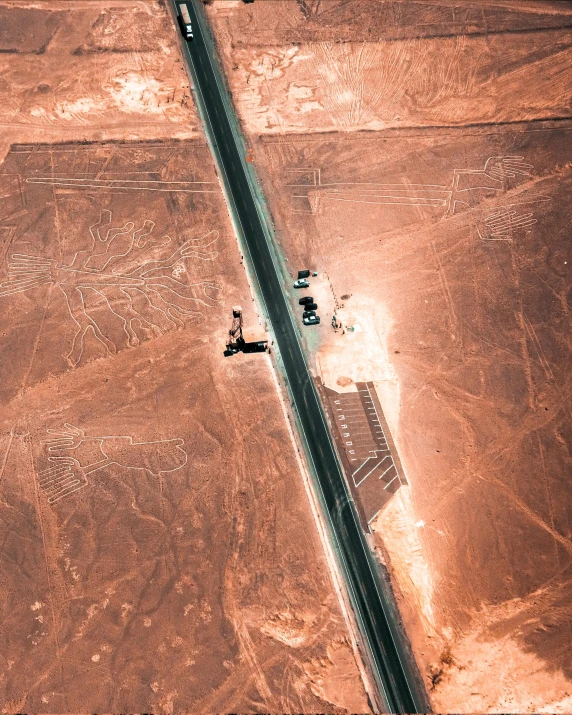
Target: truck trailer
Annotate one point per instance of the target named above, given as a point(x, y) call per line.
point(184, 18)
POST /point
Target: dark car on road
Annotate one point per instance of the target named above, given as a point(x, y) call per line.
point(306, 299)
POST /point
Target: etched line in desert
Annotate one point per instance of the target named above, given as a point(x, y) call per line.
point(69, 468)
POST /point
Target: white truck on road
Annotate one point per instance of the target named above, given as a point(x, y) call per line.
point(184, 18)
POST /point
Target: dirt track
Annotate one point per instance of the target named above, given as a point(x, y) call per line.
point(441, 237)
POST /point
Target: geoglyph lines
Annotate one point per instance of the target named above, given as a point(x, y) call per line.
point(26, 272)
point(12, 196)
point(61, 480)
point(120, 280)
point(467, 190)
point(410, 195)
point(470, 186)
point(79, 456)
point(189, 187)
point(358, 83)
point(501, 168)
point(497, 170)
point(502, 225)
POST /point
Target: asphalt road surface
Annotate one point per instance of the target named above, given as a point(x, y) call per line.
point(396, 677)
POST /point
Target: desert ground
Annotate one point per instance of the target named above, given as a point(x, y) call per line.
point(91, 70)
point(159, 551)
point(417, 156)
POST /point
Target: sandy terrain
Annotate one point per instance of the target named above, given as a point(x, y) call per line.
point(148, 492)
point(442, 239)
point(340, 79)
point(159, 552)
point(88, 70)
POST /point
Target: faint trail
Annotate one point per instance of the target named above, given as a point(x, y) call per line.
point(498, 449)
point(57, 223)
point(105, 164)
point(232, 579)
point(4, 252)
point(521, 320)
point(451, 75)
point(548, 494)
point(530, 513)
point(446, 292)
point(554, 292)
point(241, 629)
point(161, 482)
point(493, 346)
point(28, 444)
point(536, 342)
point(232, 695)
point(287, 686)
point(5, 460)
point(250, 653)
point(526, 357)
point(37, 339)
point(517, 502)
point(50, 288)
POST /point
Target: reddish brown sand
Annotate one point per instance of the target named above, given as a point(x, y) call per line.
point(87, 70)
point(158, 547)
point(442, 237)
point(155, 528)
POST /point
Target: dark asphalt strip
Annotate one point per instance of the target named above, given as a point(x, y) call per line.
point(401, 685)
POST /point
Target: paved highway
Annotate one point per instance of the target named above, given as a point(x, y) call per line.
point(398, 681)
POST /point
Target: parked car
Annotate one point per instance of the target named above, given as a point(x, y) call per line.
point(301, 283)
point(311, 306)
point(306, 299)
point(312, 320)
point(304, 273)
point(308, 314)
